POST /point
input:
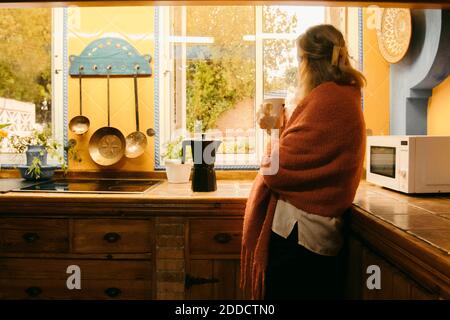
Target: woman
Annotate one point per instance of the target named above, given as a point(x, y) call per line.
point(293, 228)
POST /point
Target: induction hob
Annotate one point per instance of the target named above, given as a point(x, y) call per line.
point(92, 186)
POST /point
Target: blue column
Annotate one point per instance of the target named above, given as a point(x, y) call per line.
point(426, 64)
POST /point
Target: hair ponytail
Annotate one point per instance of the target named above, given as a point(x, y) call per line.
point(324, 57)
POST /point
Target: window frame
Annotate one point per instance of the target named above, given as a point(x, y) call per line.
point(164, 70)
point(59, 72)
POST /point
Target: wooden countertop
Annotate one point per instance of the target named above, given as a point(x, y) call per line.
point(229, 190)
point(424, 217)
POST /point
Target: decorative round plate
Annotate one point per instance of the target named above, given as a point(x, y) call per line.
point(394, 34)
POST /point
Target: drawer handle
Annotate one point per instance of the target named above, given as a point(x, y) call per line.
point(30, 237)
point(190, 281)
point(113, 292)
point(111, 237)
point(223, 237)
point(33, 291)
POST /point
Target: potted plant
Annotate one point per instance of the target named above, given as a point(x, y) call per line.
point(37, 146)
point(176, 171)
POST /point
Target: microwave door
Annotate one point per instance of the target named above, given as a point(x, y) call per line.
point(382, 166)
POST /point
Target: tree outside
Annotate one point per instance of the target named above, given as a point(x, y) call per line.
point(221, 74)
point(25, 57)
point(280, 66)
point(225, 72)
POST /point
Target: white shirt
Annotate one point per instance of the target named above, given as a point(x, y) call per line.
point(322, 235)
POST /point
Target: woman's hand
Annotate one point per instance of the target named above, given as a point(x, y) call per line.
point(267, 120)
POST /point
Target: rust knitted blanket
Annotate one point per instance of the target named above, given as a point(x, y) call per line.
point(320, 152)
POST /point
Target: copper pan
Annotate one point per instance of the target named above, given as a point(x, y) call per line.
point(107, 144)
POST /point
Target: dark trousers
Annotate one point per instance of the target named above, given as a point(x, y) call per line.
point(294, 272)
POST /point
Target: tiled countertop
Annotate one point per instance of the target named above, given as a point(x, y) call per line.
point(425, 217)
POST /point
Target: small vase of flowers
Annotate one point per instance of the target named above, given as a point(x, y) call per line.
point(37, 146)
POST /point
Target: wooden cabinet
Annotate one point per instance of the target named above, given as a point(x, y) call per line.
point(213, 259)
point(127, 250)
point(394, 283)
point(139, 249)
point(113, 256)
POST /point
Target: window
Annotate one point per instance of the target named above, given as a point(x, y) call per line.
point(216, 64)
point(31, 75)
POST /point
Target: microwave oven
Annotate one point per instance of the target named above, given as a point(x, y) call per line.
point(410, 164)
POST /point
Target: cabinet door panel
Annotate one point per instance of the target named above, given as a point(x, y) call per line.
point(401, 287)
point(201, 269)
point(394, 283)
point(221, 277)
point(224, 271)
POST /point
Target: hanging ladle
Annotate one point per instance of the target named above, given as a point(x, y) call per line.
point(136, 142)
point(80, 124)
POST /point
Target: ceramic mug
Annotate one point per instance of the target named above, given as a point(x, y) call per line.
point(269, 115)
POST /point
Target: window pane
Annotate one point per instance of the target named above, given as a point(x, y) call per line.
point(218, 62)
point(25, 76)
point(281, 26)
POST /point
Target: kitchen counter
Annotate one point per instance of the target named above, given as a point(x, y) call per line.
point(164, 198)
point(424, 217)
point(411, 232)
point(231, 190)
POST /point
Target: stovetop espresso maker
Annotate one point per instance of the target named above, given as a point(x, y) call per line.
point(204, 156)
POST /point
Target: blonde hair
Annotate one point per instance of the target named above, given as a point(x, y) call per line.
point(324, 57)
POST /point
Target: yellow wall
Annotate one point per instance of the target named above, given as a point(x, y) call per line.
point(376, 93)
point(439, 110)
point(135, 24)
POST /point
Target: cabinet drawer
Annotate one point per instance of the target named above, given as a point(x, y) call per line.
point(33, 235)
point(112, 236)
point(90, 290)
point(215, 236)
point(100, 279)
